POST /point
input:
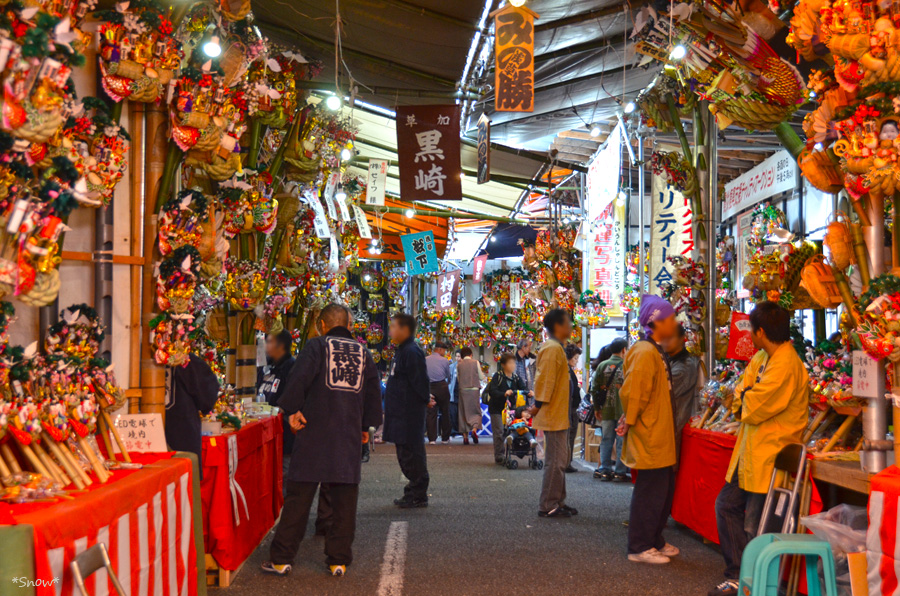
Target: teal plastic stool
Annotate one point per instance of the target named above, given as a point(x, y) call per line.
point(760, 564)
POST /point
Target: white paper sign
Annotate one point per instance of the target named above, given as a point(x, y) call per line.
point(671, 230)
point(377, 182)
point(515, 295)
point(141, 433)
point(342, 205)
point(362, 223)
point(319, 222)
point(331, 185)
point(866, 380)
point(333, 255)
point(775, 175)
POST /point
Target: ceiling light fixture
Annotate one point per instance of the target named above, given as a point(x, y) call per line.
point(517, 3)
point(212, 47)
point(333, 103)
point(341, 194)
point(346, 154)
point(630, 107)
point(410, 213)
point(595, 131)
point(678, 52)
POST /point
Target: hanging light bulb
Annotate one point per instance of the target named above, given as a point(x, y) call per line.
point(620, 198)
point(493, 238)
point(367, 277)
point(517, 3)
point(410, 213)
point(346, 154)
point(341, 194)
point(375, 250)
point(333, 103)
point(678, 52)
point(212, 47)
point(595, 131)
point(566, 221)
point(630, 107)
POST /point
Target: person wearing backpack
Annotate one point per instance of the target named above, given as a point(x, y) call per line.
point(605, 384)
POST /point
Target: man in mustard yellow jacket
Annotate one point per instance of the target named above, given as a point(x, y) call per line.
point(772, 403)
point(649, 431)
point(551, 413)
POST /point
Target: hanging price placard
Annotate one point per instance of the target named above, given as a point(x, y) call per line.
point(365, 232)
point(376, 182)
point(320, 223)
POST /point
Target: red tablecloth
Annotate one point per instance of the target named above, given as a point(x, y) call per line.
point(701, 475)
point(233, 526)
point(145, 517)
point(881, 540)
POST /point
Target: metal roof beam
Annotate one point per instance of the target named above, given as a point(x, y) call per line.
point(588, 16)
point(596, 44)
point(420, 93)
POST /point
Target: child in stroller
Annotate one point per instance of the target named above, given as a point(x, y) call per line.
point(520, 441)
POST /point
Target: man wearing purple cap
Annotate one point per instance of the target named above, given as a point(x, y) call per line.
point(649, 431)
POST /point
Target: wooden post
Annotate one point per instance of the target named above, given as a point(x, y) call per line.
point(153, 376)
point(136, 120)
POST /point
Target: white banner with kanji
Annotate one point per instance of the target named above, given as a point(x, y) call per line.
point(607, 275)
point(671, 230)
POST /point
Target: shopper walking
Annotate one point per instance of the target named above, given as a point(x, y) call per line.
point(606, 382)
point(686, 383)
point(649, 432)
point(771, 401)
point(525, 362)
point(406, 398)
point(503, 390)
point(572, 354)
point(439, 376)
point(332, 397)
point(551, 413)
point(469, 376)
point(454, 395)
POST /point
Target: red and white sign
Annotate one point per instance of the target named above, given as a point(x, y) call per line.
point(478, 270)
point(740, 340)
point(671, 230)
point(607, 275)
point(448, 289)
point(775, 175)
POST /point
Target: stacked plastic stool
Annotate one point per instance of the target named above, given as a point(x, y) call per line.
point(761, 564)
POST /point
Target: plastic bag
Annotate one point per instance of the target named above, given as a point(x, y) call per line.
point(843, 527)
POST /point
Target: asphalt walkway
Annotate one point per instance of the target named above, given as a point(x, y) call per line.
point(481, 536)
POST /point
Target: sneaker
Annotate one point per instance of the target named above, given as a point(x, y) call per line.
point(670, 551)
point(729, 587)
point(620, 478)
point(571, 510)
point(555, 512)
point(604, 476)
point(652, 556)
point(365, 457)
point(338, 570)
point(405, 503)
point(432, 442)
point(270, 567)
point(570, 469)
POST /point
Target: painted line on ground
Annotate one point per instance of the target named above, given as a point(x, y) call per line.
point(394, 564)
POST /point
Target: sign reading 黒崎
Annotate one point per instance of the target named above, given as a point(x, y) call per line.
point(775, 175)
point(428, 150)
point(448, 289)
point(420, 253)
point(671, 230)
point(484, 149)
point(514, 67)
point(376, 182)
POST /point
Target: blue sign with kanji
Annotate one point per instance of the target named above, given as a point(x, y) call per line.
point(419, 252)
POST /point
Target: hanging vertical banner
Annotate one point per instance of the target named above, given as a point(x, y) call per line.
point(484, 149)
point(419, 252)
point(365, 232)
point(428, 147)
point(607, 276)
point(332, 184)
point(448, 289)
point(478, 268)
point(514, 50)
point(515, 295)
point(320, 223)
point(671, 230)
point(342, 206)
point(376, 182)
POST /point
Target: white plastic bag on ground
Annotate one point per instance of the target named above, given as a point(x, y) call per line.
point(844, 528)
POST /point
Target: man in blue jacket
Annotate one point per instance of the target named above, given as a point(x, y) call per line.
point(332, 397)
point(406, 399)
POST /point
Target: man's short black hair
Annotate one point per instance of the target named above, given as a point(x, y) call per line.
point(284, 339)
point(617, 345)
point(406, 320)
point(554, 317)
point(773, 319)
point(335, 315)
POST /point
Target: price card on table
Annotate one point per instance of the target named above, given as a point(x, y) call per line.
point(867, 382)
point(141, 433)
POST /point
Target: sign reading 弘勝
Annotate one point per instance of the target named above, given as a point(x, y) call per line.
point(775, 175)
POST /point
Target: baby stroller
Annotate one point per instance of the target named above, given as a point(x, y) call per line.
point(520, 441)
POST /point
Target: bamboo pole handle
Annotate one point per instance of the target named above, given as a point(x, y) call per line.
point(814, 425)
point(104, 435)
point(4, 472)
point(115, 434)
point(66, 463)
point(52, 469)
point(99, 470)
point(76, 464)
point(33, 460)
point(839, 434)
point(11, 460)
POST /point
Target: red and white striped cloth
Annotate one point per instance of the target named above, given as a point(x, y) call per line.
point(882, 545)
point(146, 521)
